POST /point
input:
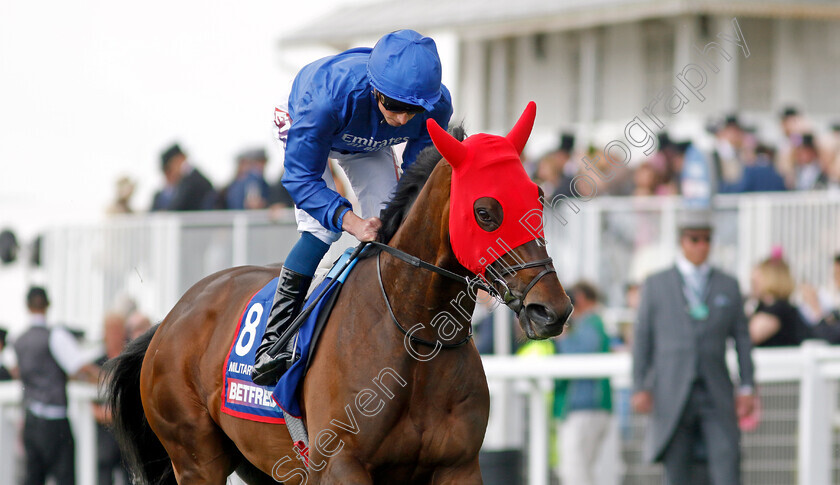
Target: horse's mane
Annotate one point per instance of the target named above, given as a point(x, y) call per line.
point(409, 187)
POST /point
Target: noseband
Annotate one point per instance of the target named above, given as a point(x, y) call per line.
point(512, 300)
point(509, 297)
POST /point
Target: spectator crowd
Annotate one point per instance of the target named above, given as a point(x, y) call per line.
point(740, 161)
point(186, 188)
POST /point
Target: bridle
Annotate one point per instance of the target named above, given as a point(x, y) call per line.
point(510, 298)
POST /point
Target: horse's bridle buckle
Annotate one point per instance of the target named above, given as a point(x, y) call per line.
point(512, 300)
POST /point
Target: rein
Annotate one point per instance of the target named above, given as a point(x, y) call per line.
point(402, 329)
point(419, 263)
point(513, 301)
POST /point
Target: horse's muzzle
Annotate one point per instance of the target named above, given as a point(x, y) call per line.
point(541, 321)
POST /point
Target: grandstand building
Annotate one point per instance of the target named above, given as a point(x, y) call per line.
point(600, 63)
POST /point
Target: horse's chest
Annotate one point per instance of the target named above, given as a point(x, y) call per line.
point(454, 437)
point(445, 429)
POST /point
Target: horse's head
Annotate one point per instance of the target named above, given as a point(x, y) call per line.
point(495, 224)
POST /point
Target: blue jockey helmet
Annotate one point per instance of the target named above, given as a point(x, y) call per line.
point(405, 66)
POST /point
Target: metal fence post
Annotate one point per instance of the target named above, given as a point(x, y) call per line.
point(80, 401)
point(815, 415)
point(501, 400)
point(240, 240)
point(10, 397)
point(538, 447)
point(170, 263)
point(668, 229)
point(746, 241)
point(595, 223)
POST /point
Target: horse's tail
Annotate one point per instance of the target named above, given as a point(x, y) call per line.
point(144, 454)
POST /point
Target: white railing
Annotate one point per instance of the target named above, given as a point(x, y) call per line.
point(611, 241)
point(814, 365)
point(80, 397)
point(153, 259)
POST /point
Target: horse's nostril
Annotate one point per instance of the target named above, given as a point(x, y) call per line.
point(568, 313)
point(541, 314)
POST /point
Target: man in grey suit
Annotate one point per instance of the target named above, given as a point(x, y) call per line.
point(686, 315)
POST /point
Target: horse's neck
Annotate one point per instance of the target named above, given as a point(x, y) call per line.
point(425, 233)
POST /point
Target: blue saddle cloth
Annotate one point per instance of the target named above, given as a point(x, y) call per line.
point(240, 396)
point(287, 392)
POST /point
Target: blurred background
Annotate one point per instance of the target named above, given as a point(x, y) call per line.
point(632, 97)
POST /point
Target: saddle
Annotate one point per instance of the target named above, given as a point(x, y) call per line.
point(244, 399)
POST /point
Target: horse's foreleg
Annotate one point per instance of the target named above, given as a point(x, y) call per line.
point(343, 470)
point(193, 468)
point(469, 474)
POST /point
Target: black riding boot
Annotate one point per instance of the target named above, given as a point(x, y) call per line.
point(291, 291)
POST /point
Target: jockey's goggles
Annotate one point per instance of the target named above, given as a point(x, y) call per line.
point(395, 106)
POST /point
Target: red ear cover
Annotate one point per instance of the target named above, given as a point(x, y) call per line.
point(520, 132)
point(486, 165)
point(451, 149)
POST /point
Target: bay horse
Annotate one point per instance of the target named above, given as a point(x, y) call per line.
point(386, 399)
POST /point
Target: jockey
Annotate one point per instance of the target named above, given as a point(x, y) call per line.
point(352, 107)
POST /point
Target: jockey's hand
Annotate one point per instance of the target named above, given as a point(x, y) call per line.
point(361, 229)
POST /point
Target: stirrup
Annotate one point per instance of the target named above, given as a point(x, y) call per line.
point(269, 369)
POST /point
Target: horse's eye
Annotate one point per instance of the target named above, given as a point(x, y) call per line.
point(488, 213)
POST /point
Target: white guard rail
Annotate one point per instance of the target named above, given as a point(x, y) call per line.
point(815, 365)
point(610, 241)
point(80, 397)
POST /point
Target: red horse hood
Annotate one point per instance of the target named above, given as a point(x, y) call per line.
point(489, 166)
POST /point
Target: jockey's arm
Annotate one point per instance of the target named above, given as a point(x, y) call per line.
point(307, 152)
